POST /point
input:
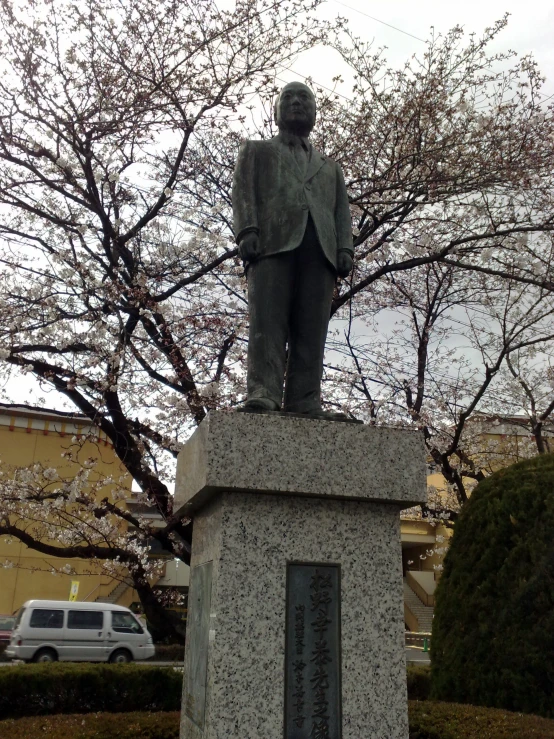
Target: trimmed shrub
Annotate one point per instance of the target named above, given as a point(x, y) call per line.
point(428, 720)
point(32, 690)
point(433, 720)
point(419, 682)
point(493, 630)
point(41, 689)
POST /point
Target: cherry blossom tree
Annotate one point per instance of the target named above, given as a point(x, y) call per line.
point(453, 220)
point(76, 512)
point(120, 285)
point(448, 159)
point(110, 289)
point(448, 163)
point(448, 359)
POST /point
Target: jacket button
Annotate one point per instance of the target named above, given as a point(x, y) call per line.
point(304, 206)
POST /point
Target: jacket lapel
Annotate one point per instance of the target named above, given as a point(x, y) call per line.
point(316, 163)
point(287, 157)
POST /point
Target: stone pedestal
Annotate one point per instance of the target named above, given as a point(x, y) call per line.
point(296, 574)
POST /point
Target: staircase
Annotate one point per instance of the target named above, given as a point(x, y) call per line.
point(423, 614)
point(114, 595)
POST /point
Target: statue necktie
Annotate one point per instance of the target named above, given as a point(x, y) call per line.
point(300, 154)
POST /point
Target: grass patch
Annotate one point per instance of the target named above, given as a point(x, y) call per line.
point(135, 725)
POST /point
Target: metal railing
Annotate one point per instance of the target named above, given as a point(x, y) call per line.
point(95, 588)
point(418, 640)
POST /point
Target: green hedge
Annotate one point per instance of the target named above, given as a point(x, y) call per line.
point(40, 689)
point(419, 682)
point(493, 629)
point(43, 689)
point(428, 720)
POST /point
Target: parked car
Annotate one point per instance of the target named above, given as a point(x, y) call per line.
point(71, 631)
point(6, 627)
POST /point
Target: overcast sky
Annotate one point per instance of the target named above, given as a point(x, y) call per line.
point(530, 29)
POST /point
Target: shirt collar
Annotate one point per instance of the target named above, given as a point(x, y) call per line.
point(291, 139)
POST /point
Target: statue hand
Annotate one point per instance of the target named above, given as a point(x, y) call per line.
point(344, 263)
point(249, 247)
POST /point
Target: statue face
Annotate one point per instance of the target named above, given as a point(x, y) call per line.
point(295, 109)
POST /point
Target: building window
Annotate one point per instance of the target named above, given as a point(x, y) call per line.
point(85, 620)
point(46, 618)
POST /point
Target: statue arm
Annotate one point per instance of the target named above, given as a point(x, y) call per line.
point(245, 217)
point(343, 219)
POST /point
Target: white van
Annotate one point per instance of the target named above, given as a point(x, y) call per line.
point(72, 631)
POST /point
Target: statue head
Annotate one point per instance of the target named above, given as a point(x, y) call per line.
point(295, 109)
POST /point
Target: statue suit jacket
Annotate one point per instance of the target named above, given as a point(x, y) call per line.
point(273, 197)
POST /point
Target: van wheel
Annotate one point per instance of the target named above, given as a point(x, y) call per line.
point(45, 655)
point(121, 657)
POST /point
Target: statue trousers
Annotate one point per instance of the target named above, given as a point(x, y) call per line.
point(289, 298)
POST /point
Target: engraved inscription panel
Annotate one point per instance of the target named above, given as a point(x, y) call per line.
point(312, 652)
point(198, 626)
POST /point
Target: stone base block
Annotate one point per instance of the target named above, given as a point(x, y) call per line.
point(249, 539)
point(272, 496)
point(275, 454)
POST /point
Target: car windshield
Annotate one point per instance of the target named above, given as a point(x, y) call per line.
point(125, 623)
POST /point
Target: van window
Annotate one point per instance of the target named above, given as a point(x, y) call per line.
point(19, 617)
point(85, 619)
point(125, 623)
point(46, 618)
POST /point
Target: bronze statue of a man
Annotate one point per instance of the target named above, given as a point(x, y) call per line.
point(293, 227)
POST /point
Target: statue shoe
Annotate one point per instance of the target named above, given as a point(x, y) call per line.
point(259, 405)
point(324, 415)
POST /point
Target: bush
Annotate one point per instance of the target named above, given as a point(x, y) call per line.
point(38, 690)
point(431, 720)
point(97, 725)
point(31, 690)
point(419, 682)
point(493, 630)
point(428, 720)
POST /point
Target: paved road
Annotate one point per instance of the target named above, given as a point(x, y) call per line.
point(417, 655)
point(412, 655)
point(153, 664)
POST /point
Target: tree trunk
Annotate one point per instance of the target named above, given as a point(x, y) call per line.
point(165, 626)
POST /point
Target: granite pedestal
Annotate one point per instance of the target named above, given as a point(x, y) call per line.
point(295, 573)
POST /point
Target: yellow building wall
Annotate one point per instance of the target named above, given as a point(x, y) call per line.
point(416, 556)
point(495, 450)
point(22, 444)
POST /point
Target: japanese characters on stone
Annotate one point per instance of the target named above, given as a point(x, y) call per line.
point(312, 661)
